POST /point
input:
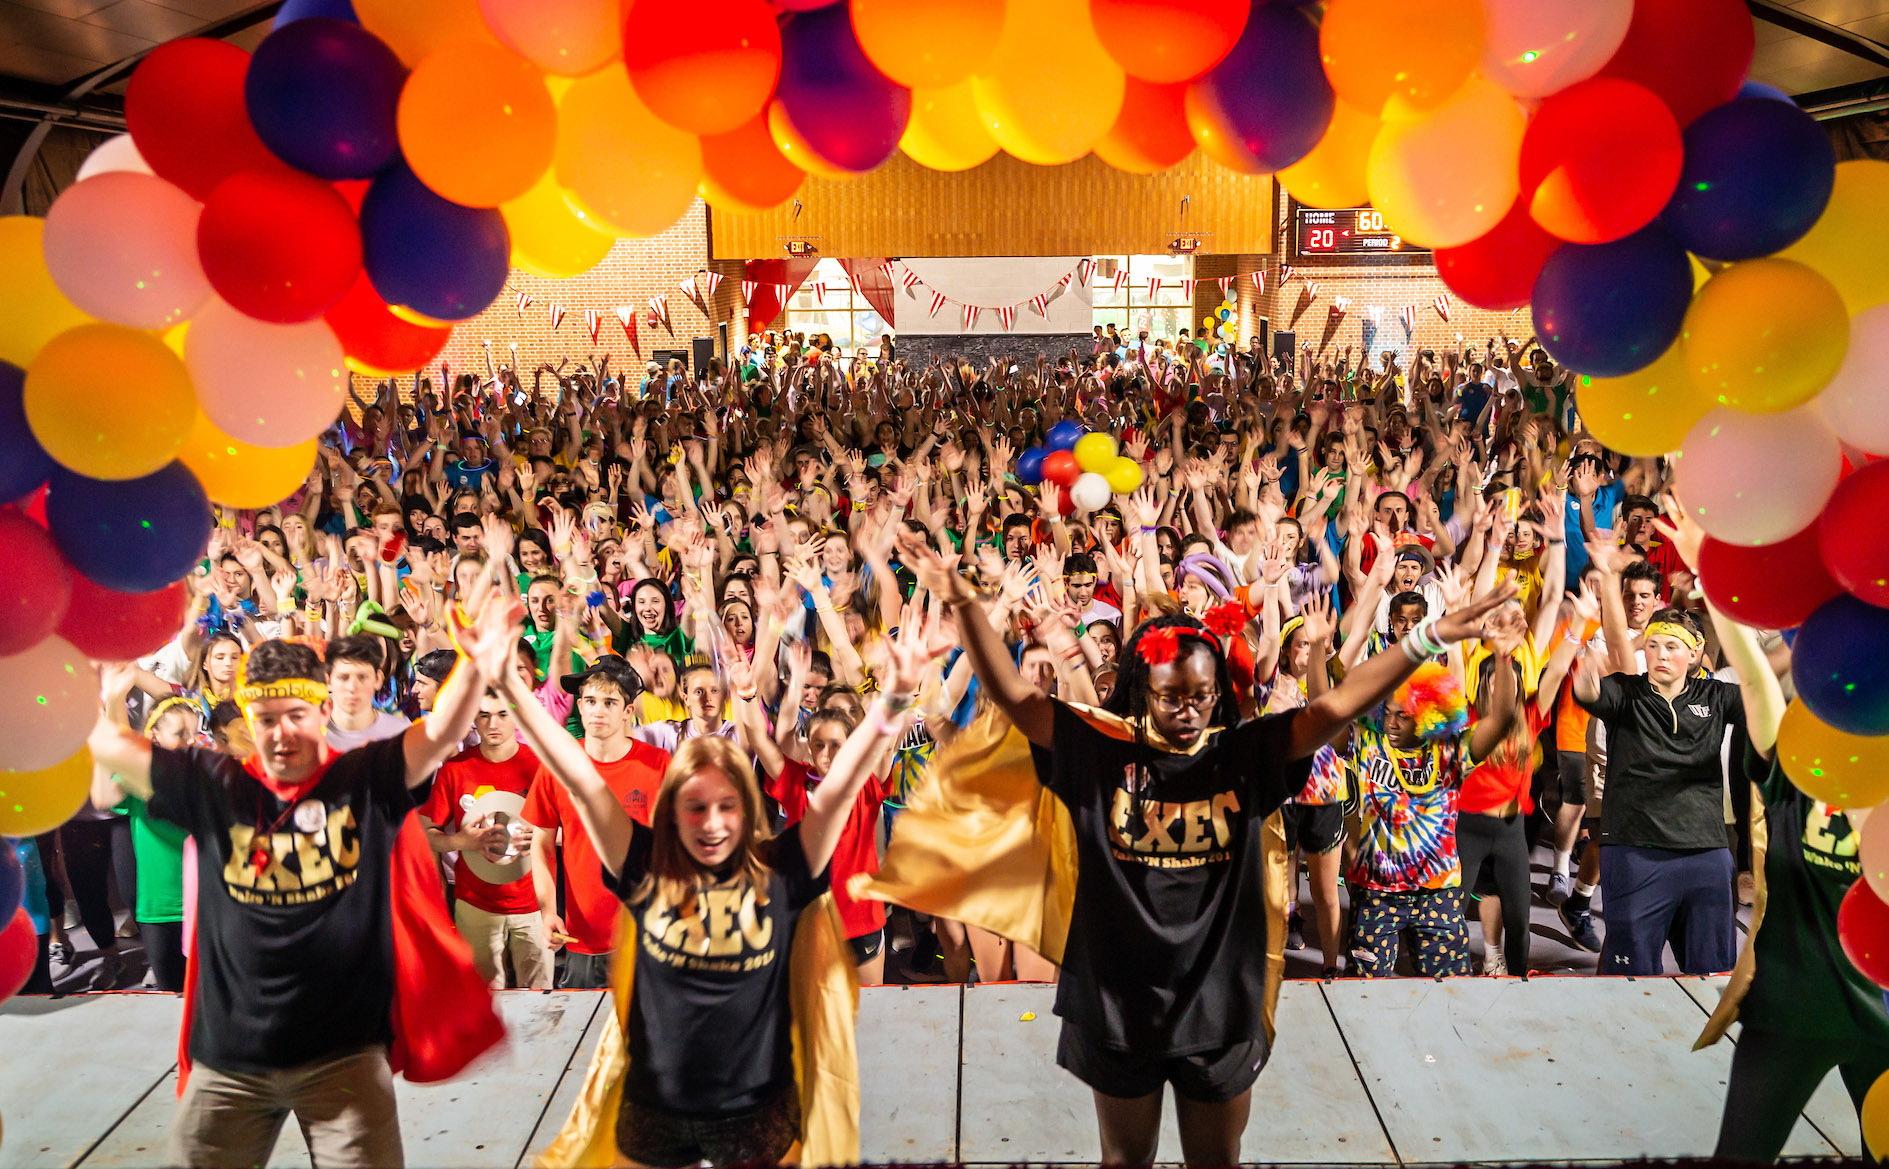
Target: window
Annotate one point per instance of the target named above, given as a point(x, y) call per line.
point(835, 310)
point(1131, 309)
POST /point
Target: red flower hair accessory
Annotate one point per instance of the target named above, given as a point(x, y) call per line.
point(1225, 620)
point(1159, 646)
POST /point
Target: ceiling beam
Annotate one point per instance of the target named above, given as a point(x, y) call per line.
point(1834, 35)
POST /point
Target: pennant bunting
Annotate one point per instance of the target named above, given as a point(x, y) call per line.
point(1285, 274)
point(1064, 282)
point(626, 316)
point(713, 281)
point(1409, 317)
point(1039, 304)
point(556, 313)
point(1008, 315)
point(937, 302)
point(593, 320)
point(659, 313)
point(886, 267)
point(747, 291)
point(971, 312)
point(688, 289)
point(1154, 287)
point(1442, 306)
point(909, 278)
point(1085, 268)
point(1376, 313)
point(1121, 278)
point(1259, 283)
point(1339, 304)
point(1225, 282)
point(1187, 289)
point(819, 295)
point(523, 301)
point(1311, 292)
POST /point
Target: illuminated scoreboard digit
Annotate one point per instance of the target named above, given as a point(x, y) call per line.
point(1355, 235)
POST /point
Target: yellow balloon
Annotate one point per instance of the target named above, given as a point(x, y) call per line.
point(1094, 452)
point(32, 802)
point(413, 29)
point(417, 318)
point(1431, 190)
point(1049, 89)
point(1645, 413)
point(1123, 475)
point(237, 474)
point(109, 402)
point(549, 236)
point(1875, 1112)
point(946, 131)
point(1700, 273)
point(174, 337)
point(1850, 243)
point(1841, 769)
point(1333, 174)
point(32, 309)
point(627, 169)
point(1765, 335)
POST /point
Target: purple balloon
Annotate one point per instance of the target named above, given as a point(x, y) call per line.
point(131, 535)
point(322, 94)
point(24, 465)
point(847, 112)
point(435, 256)
point(294, 10)
point(1267, 102)
point(1609, 309)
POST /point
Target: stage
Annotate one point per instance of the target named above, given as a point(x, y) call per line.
point(1397, 1072)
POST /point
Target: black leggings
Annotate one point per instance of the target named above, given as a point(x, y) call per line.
point(1773, 1077)
point(1501, 841)
point(88, 850)
point(164, 950)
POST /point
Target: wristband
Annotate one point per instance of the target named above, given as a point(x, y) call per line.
point(748, 695)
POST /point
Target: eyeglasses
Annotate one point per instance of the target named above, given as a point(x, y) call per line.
point(1175, 703)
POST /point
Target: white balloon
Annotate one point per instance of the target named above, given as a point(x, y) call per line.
point(1090, 492)
point(262, 383)
point(1533, 48)
point(1856, 402)
point(48, 703)
point(123, 247)
point(1873, 850)
point(117, 153)
point(1756, 479)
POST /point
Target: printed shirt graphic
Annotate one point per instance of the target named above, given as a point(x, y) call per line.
point(294, 914)
point(709, 1029)
point(1408, 803)
point(471, 787)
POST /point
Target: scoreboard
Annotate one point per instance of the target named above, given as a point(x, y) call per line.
point(1349, 235)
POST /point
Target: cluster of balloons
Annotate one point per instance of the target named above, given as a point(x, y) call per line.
point(1085, 466)
point(1220, 325)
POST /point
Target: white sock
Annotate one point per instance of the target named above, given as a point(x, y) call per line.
point(1561, 861)
point(1585, 889)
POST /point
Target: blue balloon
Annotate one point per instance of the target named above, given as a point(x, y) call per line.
point(1767, 92)
point(1789, 636)
point(1063, 435)
point(1757, 175)
point(1030, 466)
point(23, 465)
point(322, 94)
point(1267, 102)
point(12, 880)
point(1840, 665)
point(132, 535)
point(433, 256)
point(1609, 309)
point(294, 10)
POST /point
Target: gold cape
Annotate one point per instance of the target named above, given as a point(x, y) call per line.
point(982, 842)
point(823, 989)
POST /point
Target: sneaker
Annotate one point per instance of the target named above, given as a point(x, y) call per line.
point(59, 954)
point(1747, 888)
point(1327, 974)
point(1295, 933)
point(1580, 927)
point(1495, 964)
point(110, 968)
point(1560, 888)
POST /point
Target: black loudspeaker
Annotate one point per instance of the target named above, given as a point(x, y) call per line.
point(662, 357)
point(1285, 345)
point(704, 352)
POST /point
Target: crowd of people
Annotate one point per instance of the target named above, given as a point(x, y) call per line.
point(689, 645)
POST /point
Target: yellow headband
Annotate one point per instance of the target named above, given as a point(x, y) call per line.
point(306, 689)
point(174, 702)
point(1675, 629)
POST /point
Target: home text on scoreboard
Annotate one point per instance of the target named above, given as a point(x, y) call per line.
point(1348, 235)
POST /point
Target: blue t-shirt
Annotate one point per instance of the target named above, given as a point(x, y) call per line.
point(462, 477)
point(1606, 502)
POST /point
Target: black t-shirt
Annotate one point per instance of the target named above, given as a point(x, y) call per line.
point(1167, 940)
point(710, 1030)
point(294, 913)
point(1665, 771)
point(1804, 983)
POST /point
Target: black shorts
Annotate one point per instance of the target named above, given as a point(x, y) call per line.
point(1314, 828)
point(1572, 777)
point(655, 1137)
point(1207, 1077)
point(867, 947)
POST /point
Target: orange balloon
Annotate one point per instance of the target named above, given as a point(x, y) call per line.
point(237, 474)
point(477, 124)
point(416, 29)
point(705, 66)
point(1050, 90)
point(620, 163)
point(1408, 55)
point(927, 44)
point(946, 132)
point(743, 171)
point(1150, 134)
point(550, 237)
point(1333, 174)
point(1168, 41)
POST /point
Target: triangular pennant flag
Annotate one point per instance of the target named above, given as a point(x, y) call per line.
point(688, 288)
point(747, 291)
point(1259, 283)
point(1339, 304)
point(556, 313)
point(819, 294)
point(1442, 306)
point(713, 280)
point(1226, 282)
point(1084, 269)
point(1311, 292)
point(970, 316)
point(1187, 289)
point(937, 302)
point(1376, 313)
point(886, 267)
point(1039, 304)
point(523, 300)
point(1064, 282)
point(909, 278)
point(1285, 274)
point(593, 320)
point(659, 313)
point(1121, 277)
point(1409, 316)
point(1008, 315)
point(1154, 287)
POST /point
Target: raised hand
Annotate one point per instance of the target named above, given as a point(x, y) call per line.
point(1319, 622)
point(498, 537)
point(1682, 529)
point(1468, 619)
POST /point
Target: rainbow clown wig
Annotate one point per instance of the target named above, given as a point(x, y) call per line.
point(1434, 700)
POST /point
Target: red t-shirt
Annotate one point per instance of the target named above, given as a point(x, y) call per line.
point(495, 788)
point(858, 849)
point(1505, 774)
point(590, 910)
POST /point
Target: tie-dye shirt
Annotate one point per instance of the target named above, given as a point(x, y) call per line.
point(1408, 803)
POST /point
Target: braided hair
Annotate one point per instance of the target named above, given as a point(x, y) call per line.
point(1130, 697)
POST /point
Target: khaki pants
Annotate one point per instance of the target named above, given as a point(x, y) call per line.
point(345, 1106)
point(494, 936)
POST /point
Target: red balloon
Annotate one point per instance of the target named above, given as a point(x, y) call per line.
point(112, 626)
point(37, 586)
point(279, 246)
point(1772, 586)
point(1599, 161)
point(1693, 54)
point(376, 341)
point(1850, 534)
point(1065, 505)
point(1497, 271)
point(19, 951)
point(1061, 467)
point(185, 110)
point(1863, 929)
point(1151, 133)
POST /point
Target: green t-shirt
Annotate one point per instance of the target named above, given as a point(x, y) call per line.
point(1804, 984)
point(158, 846)
point(541, 645)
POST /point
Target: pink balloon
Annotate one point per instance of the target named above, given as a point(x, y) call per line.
point(48, 703)
point(567, 37)
point(123, 247)
point(1758, 478)
point(116, 153)
point(1873, 854)
point(1533, 48)
point(267, 384)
